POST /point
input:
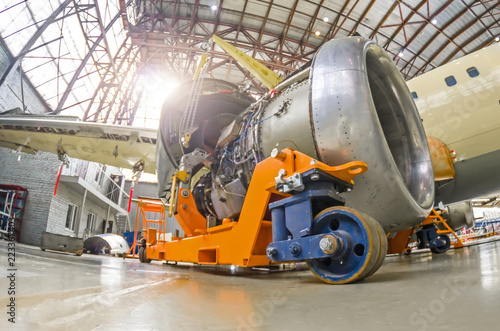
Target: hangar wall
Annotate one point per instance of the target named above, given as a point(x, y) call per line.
point(40, 167)
point(59, 208)
point(44, 212)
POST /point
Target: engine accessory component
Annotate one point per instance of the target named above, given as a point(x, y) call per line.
point(228, 200)
point(292, 183)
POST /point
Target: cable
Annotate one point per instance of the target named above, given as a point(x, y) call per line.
point(262, 120)
point(278, 144)
point(245, 132)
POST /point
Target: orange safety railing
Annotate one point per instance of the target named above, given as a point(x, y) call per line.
point(150, 227)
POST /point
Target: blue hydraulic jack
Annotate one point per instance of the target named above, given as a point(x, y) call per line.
point(339, 244)
point(428, 237)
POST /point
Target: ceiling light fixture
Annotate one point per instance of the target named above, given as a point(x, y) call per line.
point(401, 52)
point(434, 21)
point(214, 7)
point(317, 33)
point(325, 19)
point(497, 39)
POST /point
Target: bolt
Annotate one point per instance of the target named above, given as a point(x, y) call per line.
point(185, 193)
point(313, 162)
point(295, 249)
point(184, 206)
point(314, 177)
point(277, 154)
point(272, 251)
point(328, 244)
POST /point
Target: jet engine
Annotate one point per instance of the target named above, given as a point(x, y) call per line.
point(350, 104)
point(459, 215)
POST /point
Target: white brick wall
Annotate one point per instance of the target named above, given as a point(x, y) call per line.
point(44, 212)
point(38, 174)
point(59, 208)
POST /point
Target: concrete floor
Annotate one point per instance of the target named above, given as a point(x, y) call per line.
point(459, 290)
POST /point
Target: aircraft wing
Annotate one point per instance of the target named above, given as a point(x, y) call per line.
point(119, 146)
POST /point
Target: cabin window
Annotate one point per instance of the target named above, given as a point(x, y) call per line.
point(100, 174)
point(473, 72)
point(71, 217)
point(90, 222)
point(450, 80)
point(415, 95)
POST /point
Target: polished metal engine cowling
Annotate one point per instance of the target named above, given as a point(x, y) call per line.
point(355, 106)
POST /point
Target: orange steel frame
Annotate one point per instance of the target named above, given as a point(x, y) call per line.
point(399, 244)
point(435, 217)
point(150, 228)
point(244, 242)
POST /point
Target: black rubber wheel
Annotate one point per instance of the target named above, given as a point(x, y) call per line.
point(142, 255)
point(445, 247)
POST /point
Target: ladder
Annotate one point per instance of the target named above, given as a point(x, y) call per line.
point(6, 210)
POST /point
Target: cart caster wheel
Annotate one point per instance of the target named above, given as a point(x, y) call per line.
point(407, 252)
point(142, 255)
point(444, 247)
point(365, 246)
point(383, 245)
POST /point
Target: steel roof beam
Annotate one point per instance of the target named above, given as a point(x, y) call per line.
point(471, 39)
point(82, 65)
point(382, 21)
point(29, 44)
point(431, 40)
point(345, 18)
point(327, 36)
point(248, 76)
point(370, 5)
point(308, 31)
point(241, 20)
point(403, 23)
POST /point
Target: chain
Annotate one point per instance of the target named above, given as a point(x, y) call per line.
point(197, 96)
point(187, 120)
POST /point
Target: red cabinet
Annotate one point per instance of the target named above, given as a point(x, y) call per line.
point(12, 203)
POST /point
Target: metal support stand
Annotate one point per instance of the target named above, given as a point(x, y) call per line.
point(429, 235)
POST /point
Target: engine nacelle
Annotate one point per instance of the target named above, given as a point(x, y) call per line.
point(459, 215)
point(351, 105)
